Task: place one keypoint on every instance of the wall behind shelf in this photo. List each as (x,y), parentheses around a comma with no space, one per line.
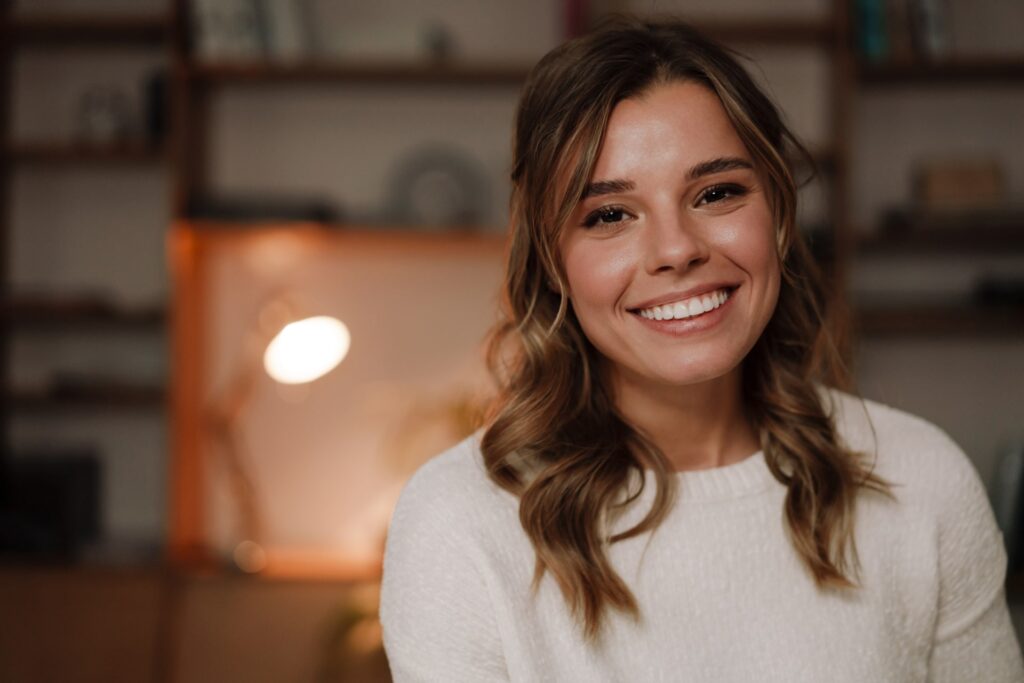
(91,229)
(346,142)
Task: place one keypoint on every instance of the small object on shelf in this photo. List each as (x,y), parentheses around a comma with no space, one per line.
(439,42)
(226,30)
(929,22)
(51,504)
(898,32)
(437,187)
(959,183)
(992,290)
(286,28)
(103,116)
(156,104)
(872,31)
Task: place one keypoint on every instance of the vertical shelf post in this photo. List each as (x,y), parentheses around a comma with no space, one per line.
(6,102)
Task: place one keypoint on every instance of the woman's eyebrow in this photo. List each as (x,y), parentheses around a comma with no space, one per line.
(607,187)
(702,169)
(717,166)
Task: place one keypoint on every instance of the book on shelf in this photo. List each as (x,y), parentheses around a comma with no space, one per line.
(248,30)
(902,31)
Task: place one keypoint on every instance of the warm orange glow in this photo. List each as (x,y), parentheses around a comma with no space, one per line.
(307,349)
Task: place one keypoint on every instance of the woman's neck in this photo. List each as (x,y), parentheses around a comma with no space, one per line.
(697,426)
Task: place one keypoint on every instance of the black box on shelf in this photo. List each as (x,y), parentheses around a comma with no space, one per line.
(51,504)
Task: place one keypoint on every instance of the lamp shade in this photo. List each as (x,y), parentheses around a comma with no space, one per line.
(306,349)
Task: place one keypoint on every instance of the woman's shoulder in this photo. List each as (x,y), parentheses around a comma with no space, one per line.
(451,490)
(908,451)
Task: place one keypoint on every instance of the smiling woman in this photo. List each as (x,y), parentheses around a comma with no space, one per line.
(686,221)
(667,489)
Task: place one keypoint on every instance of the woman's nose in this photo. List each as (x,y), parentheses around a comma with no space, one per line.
(674,242)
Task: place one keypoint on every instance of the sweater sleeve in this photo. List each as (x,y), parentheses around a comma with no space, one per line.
(974,637)
(436,613)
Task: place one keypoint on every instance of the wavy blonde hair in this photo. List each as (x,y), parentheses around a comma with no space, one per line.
(555,438)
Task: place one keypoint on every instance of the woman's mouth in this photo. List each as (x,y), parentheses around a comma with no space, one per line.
(687,308)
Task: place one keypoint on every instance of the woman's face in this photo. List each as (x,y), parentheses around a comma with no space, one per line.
(670,257)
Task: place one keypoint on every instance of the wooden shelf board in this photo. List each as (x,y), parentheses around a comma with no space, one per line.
(940,321)
(55,312)
(371,73)
(386,72)
(90,28)
(958,70)
(957,241)
(98,396)
(770,31)
(78,153)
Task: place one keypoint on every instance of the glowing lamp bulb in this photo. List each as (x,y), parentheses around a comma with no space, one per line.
(306,349)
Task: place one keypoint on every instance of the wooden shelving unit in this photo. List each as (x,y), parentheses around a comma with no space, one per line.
(52,315)
(381,73)
(977,239)
(40,312)
(89,29)
(960,71)
(785,32)
(71,153)
(924,236)
(931,320)
(96,396)
(59,315)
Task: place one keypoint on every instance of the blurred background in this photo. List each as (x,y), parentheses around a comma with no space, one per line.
(188,495)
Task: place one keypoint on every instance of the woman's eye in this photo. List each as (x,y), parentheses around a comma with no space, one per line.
(720,192)
(608,215)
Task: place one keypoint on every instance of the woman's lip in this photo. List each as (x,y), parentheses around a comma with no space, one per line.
(681,296)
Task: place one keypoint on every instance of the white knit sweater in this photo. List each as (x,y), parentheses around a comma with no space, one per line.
(722,594)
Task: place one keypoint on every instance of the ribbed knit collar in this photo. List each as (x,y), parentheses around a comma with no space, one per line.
(748,476)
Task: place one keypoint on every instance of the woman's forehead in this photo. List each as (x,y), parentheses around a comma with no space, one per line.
(668,125)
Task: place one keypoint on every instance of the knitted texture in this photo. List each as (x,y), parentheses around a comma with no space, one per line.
(722,594)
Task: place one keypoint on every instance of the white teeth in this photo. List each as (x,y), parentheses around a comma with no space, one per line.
(688,308)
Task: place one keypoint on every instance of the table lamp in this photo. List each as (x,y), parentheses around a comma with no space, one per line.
(291,348)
